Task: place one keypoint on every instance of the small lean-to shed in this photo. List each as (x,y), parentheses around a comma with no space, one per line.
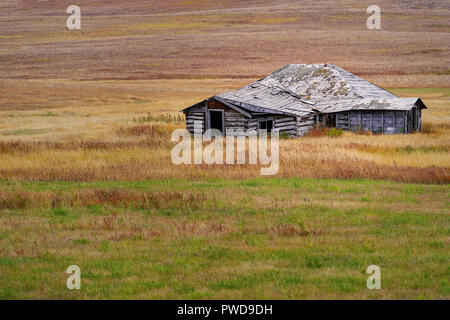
(298,97)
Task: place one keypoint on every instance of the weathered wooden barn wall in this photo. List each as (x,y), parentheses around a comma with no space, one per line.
(305,124)
(196,115)
(376,121)
(388,122)
(284,124)
(235,122)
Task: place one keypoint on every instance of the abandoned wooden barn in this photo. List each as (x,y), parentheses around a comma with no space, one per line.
(298,97)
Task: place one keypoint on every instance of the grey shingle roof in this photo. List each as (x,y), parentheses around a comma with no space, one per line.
(257,95)
(299,89)
(399,104)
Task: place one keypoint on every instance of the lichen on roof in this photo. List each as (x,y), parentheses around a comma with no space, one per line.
(299,89)
(318,81)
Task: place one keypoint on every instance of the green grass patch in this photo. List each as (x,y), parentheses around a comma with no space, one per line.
(23,132)
(251,239)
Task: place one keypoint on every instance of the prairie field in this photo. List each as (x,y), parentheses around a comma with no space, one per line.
(86,176)
(127,138)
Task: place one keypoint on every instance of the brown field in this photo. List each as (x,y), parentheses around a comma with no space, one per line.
(85,124)
(142,40)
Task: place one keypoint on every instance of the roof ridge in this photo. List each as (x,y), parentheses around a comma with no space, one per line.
(340,70)
(278,70)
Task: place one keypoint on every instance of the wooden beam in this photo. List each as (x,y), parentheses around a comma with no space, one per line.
(419,120)
(207,124)
(371,121)
(360,121)
(245,113)
(395,121)
(406,122)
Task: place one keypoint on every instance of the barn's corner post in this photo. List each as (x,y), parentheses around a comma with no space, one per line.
(406,123)
(419,119)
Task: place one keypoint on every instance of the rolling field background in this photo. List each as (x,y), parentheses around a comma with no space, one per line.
(86,176)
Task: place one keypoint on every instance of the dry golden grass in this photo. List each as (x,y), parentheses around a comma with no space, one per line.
(350,156)
(113,137)
(98,197)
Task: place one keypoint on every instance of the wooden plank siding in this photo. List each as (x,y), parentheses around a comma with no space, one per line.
(366,120)
(285,124)
(353,121)
(194,118)
(388,122)
(342,120)
(196,114)
(399,123)
(377,118)
(235,122)
(376,121)
(305,124)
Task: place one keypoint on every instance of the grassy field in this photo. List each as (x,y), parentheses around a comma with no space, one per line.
(86,176)
(254,238)
(121,141)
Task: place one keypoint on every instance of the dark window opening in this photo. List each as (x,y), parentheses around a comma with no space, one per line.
(216,120)
(330,120)
(266,125)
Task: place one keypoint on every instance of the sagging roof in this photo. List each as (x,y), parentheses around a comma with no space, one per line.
(393,104)
(257,97)
(299,89)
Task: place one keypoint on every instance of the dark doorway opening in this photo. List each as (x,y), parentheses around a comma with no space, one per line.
(330,120)
(216,120)
(266,125)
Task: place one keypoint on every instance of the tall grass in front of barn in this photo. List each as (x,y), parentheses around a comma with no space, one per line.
(142,152)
